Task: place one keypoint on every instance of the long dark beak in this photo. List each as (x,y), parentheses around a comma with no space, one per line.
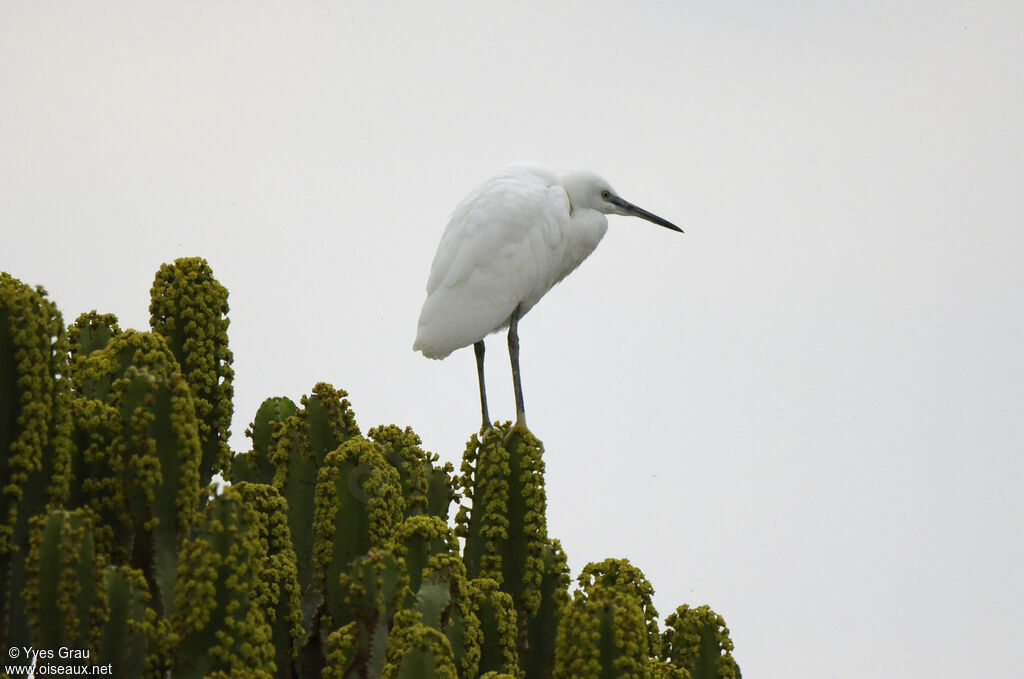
(643,214)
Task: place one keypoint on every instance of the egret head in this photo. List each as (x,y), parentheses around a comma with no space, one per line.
(588,190)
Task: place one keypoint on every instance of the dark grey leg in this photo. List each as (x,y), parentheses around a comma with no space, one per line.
(479,349)
(513,354)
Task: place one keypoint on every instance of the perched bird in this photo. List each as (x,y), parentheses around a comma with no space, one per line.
(506,244)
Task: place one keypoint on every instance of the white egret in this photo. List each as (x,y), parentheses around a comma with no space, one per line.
(506,244)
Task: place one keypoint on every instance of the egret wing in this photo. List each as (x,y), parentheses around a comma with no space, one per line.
(503,247)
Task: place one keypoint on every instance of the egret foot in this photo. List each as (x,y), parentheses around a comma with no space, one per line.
(519,428)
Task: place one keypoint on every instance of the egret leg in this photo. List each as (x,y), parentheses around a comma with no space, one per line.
(479,349)
(513,354)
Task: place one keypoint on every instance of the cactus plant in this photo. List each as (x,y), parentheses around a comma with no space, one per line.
(143,454)
(358,504)
(505,528)
(543,625)
(64,595)
(277,590)
(256,466)
(697,640)
(301,444)
(624,576)
(329,554)
(189,309)
(128,632)
(426,487)
(218,620)
(417,651)
(602,636)
(498,627)
(35,432)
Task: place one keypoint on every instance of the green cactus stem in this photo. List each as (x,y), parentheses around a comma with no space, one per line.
(189,308)
(91,332)
(374,589)
(505,527)
(342,654)
(443,600)
(624,576)
(143,455)
(417,539)
(697,640)
(358,504)
(542,627)
(218,618)
(129,628)
(417,651)
(256,466)
(64,596)
(302,442)
(427,488)
(277,590)
(35,433)
(602,636)
(498,626)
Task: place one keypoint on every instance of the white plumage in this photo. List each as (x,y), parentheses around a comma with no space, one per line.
(506,244)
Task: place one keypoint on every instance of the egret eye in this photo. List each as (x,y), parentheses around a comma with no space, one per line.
(605,195)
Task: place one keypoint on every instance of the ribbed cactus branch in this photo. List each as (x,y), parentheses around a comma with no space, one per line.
(358,504)
(373,591)
(624,576)
(277,590)
(427,488)
(505,528)
(143,454)
(35,432)
(602,636)
(190,309)
(498,626)
(416,651)
(542,627)
(129,628)
(90,332)
(300,445)
(697,640)
(64,595)
(444,601)
(256,466)
(217,616)
(418,538)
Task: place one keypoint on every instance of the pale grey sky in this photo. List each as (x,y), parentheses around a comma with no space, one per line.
(805,412)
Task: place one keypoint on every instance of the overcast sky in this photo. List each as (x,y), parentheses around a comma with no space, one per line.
(805,412)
